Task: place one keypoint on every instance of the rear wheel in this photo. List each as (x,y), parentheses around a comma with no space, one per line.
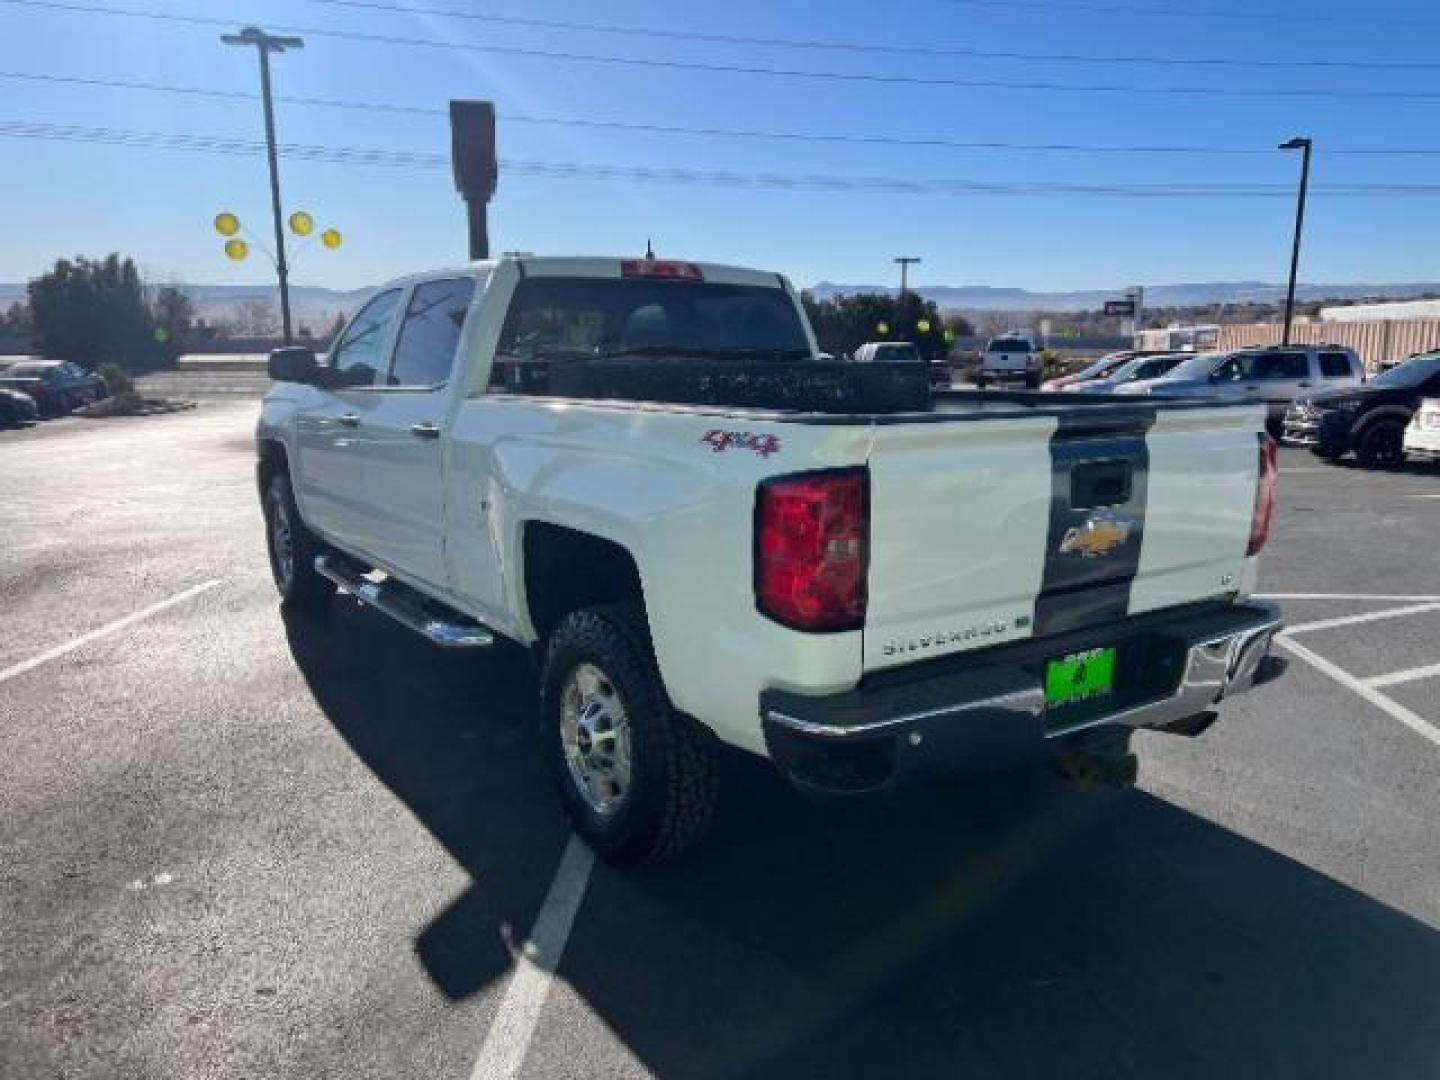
(1032,382)
(292,548)
(639,780)
(1382,445)
(980,382)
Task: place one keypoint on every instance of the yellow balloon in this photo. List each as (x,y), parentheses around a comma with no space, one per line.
(237,249)
(301,223)
(330,238)
(923,326)
(882,328)
(227,224)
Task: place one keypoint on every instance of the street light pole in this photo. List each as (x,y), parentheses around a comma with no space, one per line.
(905,261)
(1303,144)
(265,44)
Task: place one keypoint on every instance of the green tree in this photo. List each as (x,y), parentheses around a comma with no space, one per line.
(844,323)
(16,320)
(173,311)
(93,310)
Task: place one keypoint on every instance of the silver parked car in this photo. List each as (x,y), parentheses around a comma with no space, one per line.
(1276,375)
(1141,369)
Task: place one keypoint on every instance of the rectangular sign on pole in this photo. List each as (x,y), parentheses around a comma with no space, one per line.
(1120,309)
(472,153)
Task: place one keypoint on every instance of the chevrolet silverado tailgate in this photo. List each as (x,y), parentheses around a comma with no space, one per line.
(993,528)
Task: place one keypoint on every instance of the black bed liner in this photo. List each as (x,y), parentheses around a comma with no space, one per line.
(807,392)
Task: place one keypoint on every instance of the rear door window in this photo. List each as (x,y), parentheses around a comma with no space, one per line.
(425,351)
(1335,365)
(1280,366)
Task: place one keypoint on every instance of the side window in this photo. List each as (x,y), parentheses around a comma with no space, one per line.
(1234,369)
(356,357)
(1335,365)
(430,333)
(1281,366)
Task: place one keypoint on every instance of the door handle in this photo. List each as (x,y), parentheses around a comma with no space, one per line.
(425,431)
(348,420)
(1304,384)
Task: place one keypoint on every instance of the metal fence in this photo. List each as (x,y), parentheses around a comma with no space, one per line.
(1375,340)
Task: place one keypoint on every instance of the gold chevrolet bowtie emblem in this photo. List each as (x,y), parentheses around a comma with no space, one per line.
(1100,535)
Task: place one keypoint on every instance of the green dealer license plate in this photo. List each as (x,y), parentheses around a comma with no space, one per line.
(1079,677)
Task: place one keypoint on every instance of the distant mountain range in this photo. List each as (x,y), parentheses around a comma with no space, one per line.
(987,298)
(310,305)
(317,306)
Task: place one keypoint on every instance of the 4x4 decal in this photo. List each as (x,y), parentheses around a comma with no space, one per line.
(720,441)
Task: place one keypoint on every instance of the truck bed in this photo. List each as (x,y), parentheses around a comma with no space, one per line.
(801,391)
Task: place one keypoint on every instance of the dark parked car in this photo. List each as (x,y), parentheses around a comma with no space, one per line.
(17,408)
(1368,419)
(57,386)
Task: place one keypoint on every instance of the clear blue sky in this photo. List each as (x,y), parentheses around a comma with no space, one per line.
(66,197)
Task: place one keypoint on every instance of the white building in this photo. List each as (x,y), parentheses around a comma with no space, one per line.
(1399,309)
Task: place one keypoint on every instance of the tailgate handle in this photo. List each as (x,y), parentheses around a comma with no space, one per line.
(1100,483)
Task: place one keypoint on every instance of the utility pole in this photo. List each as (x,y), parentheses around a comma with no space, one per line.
(905,261)
(1305,144)
(265,44)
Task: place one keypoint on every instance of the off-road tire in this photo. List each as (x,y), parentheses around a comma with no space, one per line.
(302,589)
(1381,445)
(675,777)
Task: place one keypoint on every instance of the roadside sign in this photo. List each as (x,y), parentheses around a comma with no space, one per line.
(1120,309)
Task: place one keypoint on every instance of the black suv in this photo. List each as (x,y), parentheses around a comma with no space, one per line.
(1369,419)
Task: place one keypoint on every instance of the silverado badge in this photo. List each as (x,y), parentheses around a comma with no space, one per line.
(1100,535)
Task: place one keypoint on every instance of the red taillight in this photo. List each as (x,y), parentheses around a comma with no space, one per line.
(811,541)
(1264,496)
(660,268)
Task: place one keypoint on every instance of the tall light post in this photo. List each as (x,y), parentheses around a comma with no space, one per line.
(905,261)
(1303,144)
(264,45)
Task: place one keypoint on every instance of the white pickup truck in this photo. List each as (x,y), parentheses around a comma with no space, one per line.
(643,470)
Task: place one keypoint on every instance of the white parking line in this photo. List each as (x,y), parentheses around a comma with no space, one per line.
(1408,675)
(1343,596)
(104,631)
(510,1032)
(1352,620)
(1373,696)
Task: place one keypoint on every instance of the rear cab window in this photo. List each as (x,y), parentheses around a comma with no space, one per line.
(1010,345)
(430,334)
(566,320)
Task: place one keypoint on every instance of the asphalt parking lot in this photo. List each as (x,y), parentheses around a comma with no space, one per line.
(235,844)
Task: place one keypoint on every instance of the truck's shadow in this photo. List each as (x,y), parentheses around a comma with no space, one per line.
(1004,931)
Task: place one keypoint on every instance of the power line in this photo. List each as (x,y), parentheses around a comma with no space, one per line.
(831,45)
(345,155)
(719,132)
(859,78)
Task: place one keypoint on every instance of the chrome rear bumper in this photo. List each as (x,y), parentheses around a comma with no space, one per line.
(995,714)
